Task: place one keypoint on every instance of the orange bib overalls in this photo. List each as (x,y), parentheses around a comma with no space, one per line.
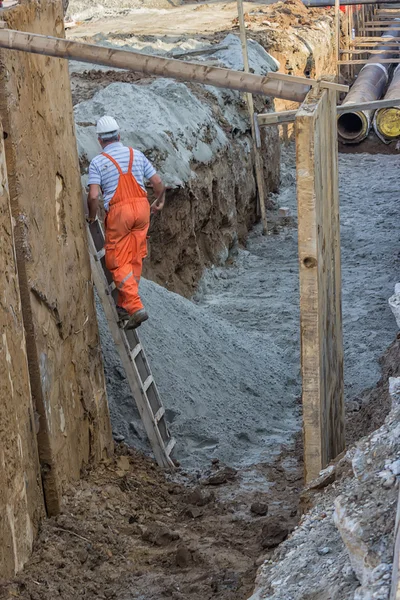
(127,223)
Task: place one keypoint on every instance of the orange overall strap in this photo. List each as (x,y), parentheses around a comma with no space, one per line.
(130,160)
(113,161)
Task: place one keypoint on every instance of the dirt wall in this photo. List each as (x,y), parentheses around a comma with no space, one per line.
(21,503)
(65,364)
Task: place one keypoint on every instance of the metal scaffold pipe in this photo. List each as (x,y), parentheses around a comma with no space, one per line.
(387,120)
(354,126)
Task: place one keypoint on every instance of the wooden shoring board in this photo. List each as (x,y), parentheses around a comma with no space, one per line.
(320,281)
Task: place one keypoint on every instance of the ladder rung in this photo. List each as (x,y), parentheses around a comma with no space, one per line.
(111,288)
(137,350)
(159,414)
(148,383)
(99,255)
(170,446)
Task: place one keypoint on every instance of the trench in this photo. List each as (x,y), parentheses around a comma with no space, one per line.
(225,356)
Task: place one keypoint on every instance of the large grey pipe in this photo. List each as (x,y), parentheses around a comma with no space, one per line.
(353,127)
(387,120)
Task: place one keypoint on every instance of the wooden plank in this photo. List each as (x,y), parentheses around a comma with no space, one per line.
(276,118)
(395,587)
(387,22)
(289,116)
(391,45)
(376,29)
(339,87)
(258,162)
(363,38)
(367,51)
(320,281)
(360,61)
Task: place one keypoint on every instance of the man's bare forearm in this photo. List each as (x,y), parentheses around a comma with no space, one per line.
(93,206)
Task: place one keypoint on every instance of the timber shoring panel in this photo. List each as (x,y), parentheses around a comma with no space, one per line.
(21,499)
(65,364)
(320,281)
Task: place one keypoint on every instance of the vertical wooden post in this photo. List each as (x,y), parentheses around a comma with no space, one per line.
(250,104)
(320,281)
(337,28)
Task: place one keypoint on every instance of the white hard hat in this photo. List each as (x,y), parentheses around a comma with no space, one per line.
(106,125)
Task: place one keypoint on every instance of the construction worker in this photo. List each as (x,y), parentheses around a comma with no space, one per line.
(119,173)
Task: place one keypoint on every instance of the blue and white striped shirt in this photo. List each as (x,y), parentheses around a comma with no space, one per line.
(105,174)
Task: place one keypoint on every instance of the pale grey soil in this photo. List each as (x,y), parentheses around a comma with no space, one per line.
(227,366)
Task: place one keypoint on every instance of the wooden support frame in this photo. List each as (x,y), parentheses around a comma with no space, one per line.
(320,281)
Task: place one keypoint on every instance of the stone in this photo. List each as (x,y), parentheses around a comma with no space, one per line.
(284,211)
(259,508)
(199,498)
(324,550)
(159,534)
(395,467)
(352,534)
(194,512)
(223,476)
(183,557)
(388,479)
(274,532)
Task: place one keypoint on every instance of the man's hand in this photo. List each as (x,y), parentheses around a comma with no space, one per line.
(158,204)
(159,190)
(93,202)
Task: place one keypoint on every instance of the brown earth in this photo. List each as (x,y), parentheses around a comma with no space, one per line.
(126,530)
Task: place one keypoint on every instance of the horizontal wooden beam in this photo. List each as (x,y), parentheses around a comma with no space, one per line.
(367,51)
(370,61)
(372,38)
(289,116)
(382,22)
(376,29)
(331,85)
(276,118)
(391,45)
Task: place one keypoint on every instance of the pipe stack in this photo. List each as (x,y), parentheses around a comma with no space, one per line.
(353,127)
(387,120)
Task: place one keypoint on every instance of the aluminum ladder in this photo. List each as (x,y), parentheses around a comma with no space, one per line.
(132,355)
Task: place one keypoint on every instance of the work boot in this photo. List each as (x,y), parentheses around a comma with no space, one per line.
(137,319)
(123,315)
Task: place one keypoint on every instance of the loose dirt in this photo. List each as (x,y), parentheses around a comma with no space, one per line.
(127,532)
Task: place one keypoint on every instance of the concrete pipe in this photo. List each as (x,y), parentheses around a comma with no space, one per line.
(387,120)
(353,127)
